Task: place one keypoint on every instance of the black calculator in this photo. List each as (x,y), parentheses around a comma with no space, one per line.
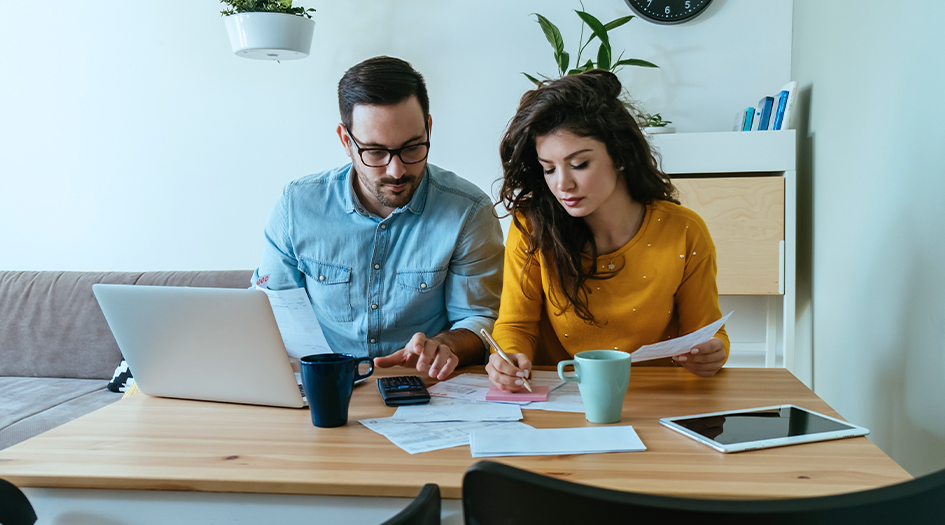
(402,390)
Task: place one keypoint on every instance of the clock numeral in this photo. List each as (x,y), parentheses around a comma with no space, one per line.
(667,10)
(687,5)
(648,2)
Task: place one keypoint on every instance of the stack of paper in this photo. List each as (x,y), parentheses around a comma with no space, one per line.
(414,438)
(562,397)
(553,441)
(444,423)
(435,412)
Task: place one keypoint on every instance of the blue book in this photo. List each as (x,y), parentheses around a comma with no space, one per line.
(749,117)
(765,104)
(779,116)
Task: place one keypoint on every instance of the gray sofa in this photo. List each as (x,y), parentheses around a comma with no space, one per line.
(57,353)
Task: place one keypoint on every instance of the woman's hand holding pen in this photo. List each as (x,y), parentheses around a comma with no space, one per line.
(506,376)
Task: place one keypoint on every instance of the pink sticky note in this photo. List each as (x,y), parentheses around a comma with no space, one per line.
(540,393)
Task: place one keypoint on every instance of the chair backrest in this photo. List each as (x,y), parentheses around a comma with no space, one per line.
(423,510)
(494,493)
(15,508)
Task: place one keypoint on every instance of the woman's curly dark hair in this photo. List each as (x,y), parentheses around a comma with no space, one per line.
(587,105)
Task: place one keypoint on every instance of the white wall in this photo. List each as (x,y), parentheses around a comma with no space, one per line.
(873,157)
(131,138)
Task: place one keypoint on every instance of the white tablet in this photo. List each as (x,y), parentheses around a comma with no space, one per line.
(766,427)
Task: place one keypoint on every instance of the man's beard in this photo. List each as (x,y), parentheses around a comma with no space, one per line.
(386,197)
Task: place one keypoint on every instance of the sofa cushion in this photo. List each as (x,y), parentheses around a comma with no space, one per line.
(208,279)
(33,405)
(51,325)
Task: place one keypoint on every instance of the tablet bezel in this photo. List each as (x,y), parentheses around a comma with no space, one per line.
(851,430)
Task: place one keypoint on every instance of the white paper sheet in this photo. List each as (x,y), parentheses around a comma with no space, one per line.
(414,438)
(301,333)
(474,387)
(679,345)
(458,412)
(565,398)
(553,441)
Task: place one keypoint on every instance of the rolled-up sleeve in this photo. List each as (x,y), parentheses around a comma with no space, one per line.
(474,279)
(279,267)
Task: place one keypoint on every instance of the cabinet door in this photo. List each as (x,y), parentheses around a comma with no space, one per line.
(745,216)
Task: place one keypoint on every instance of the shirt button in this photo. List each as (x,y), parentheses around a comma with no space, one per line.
(377,266)
(321,277)
(423,285)
(373,307)
(373,341)
(383,226)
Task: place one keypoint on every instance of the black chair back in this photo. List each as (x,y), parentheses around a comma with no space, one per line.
(423,510)
(496,494)
(15,508)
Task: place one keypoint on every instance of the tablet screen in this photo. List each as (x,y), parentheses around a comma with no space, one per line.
(776,422)
(765,427)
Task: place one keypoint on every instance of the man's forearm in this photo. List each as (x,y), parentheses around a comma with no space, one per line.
(466,345)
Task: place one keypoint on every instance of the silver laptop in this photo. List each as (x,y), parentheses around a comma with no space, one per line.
(213,344)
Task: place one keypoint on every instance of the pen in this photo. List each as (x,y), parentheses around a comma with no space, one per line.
(503,355)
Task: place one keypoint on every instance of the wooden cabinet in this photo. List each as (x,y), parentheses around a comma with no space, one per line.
(743,184)
(745,216)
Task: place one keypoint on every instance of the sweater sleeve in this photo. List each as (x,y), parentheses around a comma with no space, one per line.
(516,330)
(697,298)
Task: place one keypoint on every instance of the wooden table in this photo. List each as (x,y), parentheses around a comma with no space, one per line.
(150,443)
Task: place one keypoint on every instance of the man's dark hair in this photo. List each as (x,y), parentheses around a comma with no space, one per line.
(383,81)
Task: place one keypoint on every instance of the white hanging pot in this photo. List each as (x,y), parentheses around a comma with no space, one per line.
(270,36)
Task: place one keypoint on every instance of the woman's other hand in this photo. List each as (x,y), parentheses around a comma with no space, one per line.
(704,359)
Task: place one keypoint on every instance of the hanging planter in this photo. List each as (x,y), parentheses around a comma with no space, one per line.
(270,36)
(268,29)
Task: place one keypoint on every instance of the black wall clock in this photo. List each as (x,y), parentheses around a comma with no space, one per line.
(668,11)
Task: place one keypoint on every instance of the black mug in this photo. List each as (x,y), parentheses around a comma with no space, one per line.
(328,380)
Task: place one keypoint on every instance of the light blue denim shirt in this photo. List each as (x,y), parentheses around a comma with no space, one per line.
(432,265)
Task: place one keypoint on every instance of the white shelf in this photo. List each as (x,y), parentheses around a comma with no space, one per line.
(726,152)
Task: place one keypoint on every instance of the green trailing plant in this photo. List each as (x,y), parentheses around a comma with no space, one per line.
(600,32)
(264,6)
(654,121)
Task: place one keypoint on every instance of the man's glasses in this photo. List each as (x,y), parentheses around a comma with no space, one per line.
(381,157)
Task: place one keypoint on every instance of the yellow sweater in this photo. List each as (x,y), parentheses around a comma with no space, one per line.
(665,287)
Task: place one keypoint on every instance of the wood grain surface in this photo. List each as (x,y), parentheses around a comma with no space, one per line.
(745,216)
(154,443)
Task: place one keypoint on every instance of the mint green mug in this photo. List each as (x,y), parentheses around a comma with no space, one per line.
(603,377)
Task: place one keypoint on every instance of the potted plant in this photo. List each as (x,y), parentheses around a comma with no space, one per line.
(268,29)
(600,31)
(654,124)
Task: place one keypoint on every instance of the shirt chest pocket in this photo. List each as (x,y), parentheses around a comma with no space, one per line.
(419,295)
(329,286)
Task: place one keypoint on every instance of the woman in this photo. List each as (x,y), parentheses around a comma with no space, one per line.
(599,245)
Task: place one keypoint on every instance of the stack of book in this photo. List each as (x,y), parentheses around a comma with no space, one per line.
(771,114)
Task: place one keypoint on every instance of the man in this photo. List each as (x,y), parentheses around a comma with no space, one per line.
(402,260)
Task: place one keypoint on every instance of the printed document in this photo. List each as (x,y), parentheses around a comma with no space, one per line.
(301,333)
(414,438)
(679,345)
(565,398)
(458,412)
(553,441)
(474,387)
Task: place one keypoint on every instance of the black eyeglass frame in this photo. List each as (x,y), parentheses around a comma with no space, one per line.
(390,152)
